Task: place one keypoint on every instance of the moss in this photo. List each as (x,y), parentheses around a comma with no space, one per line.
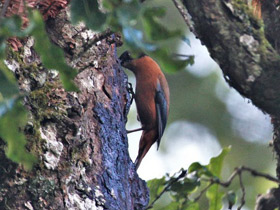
(46,104)
(41,187)
(246,14)
(15,55)
(255,25)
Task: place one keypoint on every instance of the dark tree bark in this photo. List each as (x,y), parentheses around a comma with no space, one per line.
(79,138)
(246,50)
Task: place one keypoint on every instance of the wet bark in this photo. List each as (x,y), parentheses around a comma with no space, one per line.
(79,138)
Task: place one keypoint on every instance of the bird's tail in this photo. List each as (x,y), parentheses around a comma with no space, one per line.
(146,141)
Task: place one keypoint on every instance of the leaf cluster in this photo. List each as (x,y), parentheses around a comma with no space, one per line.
(186,189)
(141,26)
(12,112)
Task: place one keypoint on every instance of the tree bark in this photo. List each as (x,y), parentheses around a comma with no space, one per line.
(79,138)
(246,49)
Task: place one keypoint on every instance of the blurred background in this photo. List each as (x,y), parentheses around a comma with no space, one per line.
(205,116)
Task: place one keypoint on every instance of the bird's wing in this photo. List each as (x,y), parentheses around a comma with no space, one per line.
(161,111)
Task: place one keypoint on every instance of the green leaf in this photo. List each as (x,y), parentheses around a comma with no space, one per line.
(216,163)
(15,118)
(231,199)
(134,39)
(215,166)
(168,63)
(6,105)
(156,186)
(10,26)
(186,40)
(128,14)
(171,206)
(88,11)
(191,184)
(153,28)
(195,167)
(2,48)
(181,189)
(187,205)
(191,206)
(8,87)
(199,169)
(51,56)
(185,186)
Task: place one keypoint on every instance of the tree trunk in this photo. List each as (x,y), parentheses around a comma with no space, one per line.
(247,51)
(79,138)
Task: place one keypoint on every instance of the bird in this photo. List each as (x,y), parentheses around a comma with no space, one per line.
(151,98)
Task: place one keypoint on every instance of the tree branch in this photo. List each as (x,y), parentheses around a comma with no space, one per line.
(184,14)
(182,175)
(236,41)
(97,37)
(237,172)
(243,191)
(203,191)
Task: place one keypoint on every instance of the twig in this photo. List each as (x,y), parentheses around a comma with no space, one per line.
(243,191)
(252,171)
(183,174)
(184,14)
(228,182)
(181,55)
(4,10)
(256,173)
(203,191)
(238,171)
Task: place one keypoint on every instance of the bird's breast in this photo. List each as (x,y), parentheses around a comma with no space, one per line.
(145,103)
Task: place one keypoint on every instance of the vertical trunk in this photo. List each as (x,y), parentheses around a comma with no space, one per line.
(79,138)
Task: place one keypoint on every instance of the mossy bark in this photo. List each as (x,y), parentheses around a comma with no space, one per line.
(79,138)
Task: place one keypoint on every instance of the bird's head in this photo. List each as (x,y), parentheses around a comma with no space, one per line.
(126,59)
(128,62)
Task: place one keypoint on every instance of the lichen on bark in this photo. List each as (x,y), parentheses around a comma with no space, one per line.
(79,138)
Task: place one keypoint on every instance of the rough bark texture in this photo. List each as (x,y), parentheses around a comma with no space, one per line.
(247,51)
(236,41)
(79,138)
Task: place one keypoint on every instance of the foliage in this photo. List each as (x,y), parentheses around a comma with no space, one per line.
(129,16)
(52,58)
(213,194)
(185,191)
(13,118)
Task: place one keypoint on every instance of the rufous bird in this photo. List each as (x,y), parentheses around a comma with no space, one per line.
(151,98)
